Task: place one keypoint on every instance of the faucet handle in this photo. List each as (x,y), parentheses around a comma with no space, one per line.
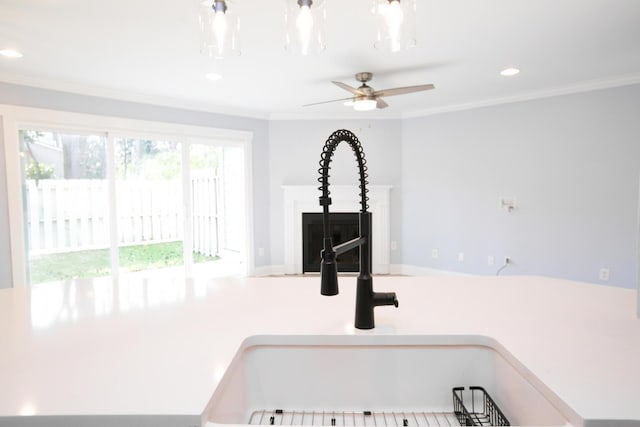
(328,273)
(385,298)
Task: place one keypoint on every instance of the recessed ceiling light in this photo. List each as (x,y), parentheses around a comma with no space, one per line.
(213,76)
(10,53)
(509,72)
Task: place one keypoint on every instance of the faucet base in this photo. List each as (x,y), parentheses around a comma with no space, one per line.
(367,300)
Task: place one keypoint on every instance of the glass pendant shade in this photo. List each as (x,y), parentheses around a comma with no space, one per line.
(396,24)
(305,26)
(219,29)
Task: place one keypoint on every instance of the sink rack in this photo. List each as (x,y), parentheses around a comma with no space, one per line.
(488,414)
(353,418)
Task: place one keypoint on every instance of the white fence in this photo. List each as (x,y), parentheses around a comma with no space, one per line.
(70,215)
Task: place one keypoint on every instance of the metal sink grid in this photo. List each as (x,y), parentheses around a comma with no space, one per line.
(354,418)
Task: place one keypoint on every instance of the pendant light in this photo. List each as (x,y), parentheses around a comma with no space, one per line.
(219,29)
(396,24)
(305,26)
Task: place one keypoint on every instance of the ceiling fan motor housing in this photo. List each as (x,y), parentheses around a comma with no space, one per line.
(364,77)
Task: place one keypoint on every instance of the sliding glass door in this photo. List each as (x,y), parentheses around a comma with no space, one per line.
(96,205)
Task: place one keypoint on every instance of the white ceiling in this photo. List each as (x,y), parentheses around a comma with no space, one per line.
(148,51)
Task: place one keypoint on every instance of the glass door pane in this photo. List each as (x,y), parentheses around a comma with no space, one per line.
(217,197)
(65,205)
(204,161)
(233,199)
(149,206)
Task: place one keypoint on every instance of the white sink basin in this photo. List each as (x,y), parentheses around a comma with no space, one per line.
(314,379)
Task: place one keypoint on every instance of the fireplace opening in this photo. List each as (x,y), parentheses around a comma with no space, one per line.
(344,227)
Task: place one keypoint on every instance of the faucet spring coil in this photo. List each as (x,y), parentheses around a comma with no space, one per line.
(325,160)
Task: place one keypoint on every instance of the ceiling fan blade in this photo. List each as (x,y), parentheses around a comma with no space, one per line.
(348,88)
(381,104)
(328,102)
(403,90)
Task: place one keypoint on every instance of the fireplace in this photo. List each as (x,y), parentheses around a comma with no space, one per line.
(299,199)
(344,227)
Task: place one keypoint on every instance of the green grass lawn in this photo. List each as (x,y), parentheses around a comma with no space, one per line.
(96,263)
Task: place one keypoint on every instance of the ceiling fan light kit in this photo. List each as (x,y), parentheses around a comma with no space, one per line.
(365,104)
(219,29)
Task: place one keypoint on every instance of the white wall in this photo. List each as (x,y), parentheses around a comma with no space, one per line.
(294,154)
(572,162)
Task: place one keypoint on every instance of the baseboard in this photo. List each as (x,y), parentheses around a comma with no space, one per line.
(414,270)
(398,269)
(269,270)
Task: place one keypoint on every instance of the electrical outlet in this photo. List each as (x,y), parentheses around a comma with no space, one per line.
(394,245)
(508,203)
(461,256)
(507,260)
(491,260)
(434,253)
(260,252)
(604,274)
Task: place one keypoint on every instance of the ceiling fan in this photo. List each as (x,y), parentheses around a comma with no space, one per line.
(366,98)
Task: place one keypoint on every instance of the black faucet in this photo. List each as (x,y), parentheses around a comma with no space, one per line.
(366,298)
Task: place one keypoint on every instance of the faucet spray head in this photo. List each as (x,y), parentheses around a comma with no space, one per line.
(328,271)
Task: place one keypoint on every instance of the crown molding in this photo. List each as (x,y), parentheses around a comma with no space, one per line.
(586,86)
(129,96)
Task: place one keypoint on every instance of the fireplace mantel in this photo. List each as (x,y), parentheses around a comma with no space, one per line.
(304,198)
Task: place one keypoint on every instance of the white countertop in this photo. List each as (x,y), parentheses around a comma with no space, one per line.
(160,347)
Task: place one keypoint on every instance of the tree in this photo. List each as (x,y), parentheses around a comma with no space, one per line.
(34,169)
